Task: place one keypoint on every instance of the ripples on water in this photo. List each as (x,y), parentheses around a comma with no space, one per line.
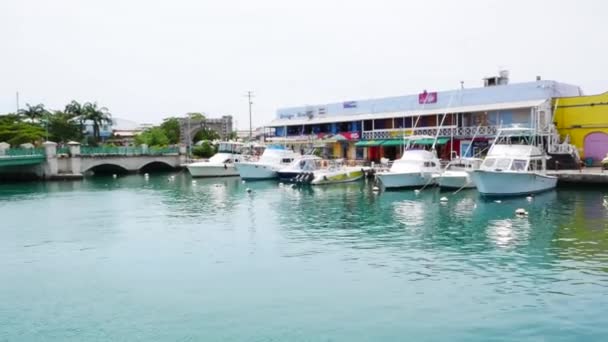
(93,260)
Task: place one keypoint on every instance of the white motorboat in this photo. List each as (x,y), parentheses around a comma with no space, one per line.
(415,168)
(220,164)
(300,166)
(457,174)
(513,169)
(271,161)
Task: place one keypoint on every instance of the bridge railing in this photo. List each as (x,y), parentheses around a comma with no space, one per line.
(127,151)
(22,152)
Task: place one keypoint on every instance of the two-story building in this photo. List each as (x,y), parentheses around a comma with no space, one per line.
(374,128)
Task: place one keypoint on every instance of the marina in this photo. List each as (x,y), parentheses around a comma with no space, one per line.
(209,261)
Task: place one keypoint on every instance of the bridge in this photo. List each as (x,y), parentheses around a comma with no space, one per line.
(75,161)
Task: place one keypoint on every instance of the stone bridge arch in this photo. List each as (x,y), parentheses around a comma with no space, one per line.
(155,165)
(106,167)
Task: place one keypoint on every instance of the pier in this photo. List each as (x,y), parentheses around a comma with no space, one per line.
(584,176)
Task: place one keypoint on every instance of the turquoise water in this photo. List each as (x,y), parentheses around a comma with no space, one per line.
(159,260)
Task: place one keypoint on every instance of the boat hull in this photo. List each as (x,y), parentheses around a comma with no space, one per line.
(500,183)
(455,180)
(337,177)
(254,171)
(394,180)
(212,170)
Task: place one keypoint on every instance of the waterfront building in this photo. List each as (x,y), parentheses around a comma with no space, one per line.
(584,121)
(375,128)
(190,126)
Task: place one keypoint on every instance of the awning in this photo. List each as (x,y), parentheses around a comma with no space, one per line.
(368,143)
(430,141)
(393,142)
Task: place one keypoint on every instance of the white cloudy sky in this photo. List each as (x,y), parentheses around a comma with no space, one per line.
(146,59)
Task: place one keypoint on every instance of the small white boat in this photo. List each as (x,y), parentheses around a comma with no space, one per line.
(457,174)
(271,161)
(513,169)
(415,168)
(221,164)
(305,164)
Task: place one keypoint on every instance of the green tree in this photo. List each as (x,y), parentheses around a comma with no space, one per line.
(15,131)
(204,150)
(206,134)
(98,116)
(63,127)
(233,136)
(171,128)
(76,111)
(154,136)
(196,116)
(34,113)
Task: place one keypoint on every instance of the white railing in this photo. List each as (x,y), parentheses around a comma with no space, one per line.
(397,133)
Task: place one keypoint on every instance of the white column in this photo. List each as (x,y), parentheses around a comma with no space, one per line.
(51,167)
(75,164)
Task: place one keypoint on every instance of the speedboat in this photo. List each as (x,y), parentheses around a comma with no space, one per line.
(337,172)
(271,161)
(415,168)
(513,169)
(457,174)
(220,164)
(300,168)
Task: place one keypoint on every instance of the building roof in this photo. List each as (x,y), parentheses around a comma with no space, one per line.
(458,100)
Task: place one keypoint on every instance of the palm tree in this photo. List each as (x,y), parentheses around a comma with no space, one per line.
(97,115)
(34,113)
(75,111)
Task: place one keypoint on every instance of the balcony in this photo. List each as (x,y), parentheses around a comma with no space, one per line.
(445,131)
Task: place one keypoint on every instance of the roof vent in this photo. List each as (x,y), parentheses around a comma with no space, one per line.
(538,78)
(501,79)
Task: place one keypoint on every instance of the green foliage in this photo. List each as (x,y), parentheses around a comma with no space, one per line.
(15,132)
(170,127)
(232,136)
(34,113)
(206,134)
(62,127)
(97,115)
(152,137)
(196,116)
(205,150)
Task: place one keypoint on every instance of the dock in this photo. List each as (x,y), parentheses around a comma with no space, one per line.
(584,176)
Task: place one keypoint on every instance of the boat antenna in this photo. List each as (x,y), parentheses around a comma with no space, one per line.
(445,113)
(473,139)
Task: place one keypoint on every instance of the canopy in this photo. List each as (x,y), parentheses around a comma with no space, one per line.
(430,141)
(369,143)
(393,142)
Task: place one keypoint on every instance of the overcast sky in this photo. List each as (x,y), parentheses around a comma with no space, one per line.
(146,60)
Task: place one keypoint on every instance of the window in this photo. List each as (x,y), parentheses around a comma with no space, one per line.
(518,165)
(359,153)
(489,162)
(503,164)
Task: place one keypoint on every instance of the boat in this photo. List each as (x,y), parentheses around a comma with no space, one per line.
(273,159)
(220,164)
(457,174)
(299,167)
(512,169)
(415,168)
(337,172)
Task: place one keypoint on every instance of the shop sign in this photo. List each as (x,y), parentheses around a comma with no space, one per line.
(426,97)
(349,104)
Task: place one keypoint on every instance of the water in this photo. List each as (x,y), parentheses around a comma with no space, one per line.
(160,260)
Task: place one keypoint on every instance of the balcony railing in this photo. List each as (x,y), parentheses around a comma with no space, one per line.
(397,133)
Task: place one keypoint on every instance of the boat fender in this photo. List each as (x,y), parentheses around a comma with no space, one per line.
(225,167)
(324,177)
(521,212)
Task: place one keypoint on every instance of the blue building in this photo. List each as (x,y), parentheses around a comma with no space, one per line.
(375,128)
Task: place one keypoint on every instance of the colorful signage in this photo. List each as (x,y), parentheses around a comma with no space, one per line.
(426,97)
(349,104)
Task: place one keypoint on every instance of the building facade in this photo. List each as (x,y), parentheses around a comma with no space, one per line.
(584,121)
(189,127)
(375,128)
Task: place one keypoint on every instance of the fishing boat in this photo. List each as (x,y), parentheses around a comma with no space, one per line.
(515,165)
(300,168)
(415,168)
(273,159)
(220,164)
(457,174)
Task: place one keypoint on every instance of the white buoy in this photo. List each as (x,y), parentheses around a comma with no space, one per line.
(529,198)
(375,189)
(193,181)
(248,190)
(521,212)
(416,191)
(443,199)
(146,175)
(114,176)
(497,201)
(280,184)
(243,181)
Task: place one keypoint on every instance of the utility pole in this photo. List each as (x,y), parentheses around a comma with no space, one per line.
(17,103)
(249,96)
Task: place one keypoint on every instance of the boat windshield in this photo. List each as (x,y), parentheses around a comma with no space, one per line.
(229,148)
(223,158)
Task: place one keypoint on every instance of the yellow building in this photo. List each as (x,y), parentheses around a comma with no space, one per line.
(585,120)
